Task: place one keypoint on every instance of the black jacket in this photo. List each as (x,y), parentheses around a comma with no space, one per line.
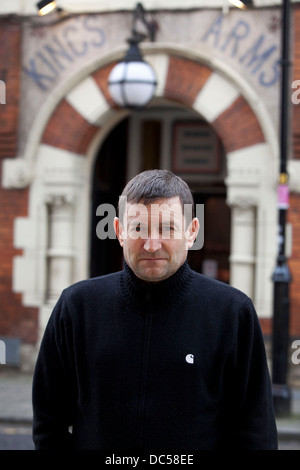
(179,365)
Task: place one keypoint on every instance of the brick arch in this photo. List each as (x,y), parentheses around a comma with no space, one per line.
(185,79)
(237,125)
(71,128)
(67,129)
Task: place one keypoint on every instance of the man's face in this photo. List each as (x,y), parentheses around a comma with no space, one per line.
(155,238)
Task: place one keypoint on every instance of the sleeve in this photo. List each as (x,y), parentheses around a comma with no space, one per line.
(250,416)
(54,388)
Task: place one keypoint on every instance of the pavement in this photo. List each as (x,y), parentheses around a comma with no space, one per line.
(16,408)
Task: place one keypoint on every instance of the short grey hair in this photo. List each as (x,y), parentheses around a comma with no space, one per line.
(151,185)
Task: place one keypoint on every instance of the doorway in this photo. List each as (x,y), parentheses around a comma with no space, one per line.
(213,258)
(145,140)
(109,176)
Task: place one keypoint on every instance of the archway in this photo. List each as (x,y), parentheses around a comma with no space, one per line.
(169,137)
(108,181)
(61,190)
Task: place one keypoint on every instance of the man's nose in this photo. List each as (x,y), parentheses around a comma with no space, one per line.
(152,244)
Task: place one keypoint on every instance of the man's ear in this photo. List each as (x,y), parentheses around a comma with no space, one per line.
(192,232)
(118,227)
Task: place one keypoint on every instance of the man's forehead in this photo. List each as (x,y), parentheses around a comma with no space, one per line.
(169,206)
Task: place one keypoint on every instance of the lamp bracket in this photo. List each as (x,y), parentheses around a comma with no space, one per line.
(139,21)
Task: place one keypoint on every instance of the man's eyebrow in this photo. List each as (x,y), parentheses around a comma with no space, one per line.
(133,217)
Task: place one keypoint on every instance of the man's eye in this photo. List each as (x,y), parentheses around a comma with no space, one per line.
(137,228)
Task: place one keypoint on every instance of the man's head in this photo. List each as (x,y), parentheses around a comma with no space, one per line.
(156,225)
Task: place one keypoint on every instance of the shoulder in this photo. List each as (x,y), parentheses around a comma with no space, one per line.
(229,309)
(219,294)
(213,285)
(88,289)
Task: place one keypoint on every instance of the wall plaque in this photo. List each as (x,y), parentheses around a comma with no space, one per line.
(196,148)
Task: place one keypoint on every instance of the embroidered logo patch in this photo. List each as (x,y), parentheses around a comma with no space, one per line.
(189,358)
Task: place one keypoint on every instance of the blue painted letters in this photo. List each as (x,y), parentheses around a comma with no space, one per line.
(61,51)
(259,59)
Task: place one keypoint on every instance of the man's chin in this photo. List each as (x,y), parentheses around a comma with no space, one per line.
(154,274)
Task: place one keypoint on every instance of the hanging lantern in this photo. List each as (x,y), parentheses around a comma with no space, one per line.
(132,82)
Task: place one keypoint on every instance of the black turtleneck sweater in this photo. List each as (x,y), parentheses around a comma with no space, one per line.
(178,365)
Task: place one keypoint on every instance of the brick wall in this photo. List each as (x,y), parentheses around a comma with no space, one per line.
(294,264)
(294,210)
(15,320)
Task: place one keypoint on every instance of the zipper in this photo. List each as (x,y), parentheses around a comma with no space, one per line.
(144,371)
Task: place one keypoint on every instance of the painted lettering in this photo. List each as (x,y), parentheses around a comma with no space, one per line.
(238,34)
(39,77)
(88,25)
(257,57)
(214,31)
(58,54)
(274,79)
(75,50)
(60,51)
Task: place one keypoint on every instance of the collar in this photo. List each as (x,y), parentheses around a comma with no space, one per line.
(168,291)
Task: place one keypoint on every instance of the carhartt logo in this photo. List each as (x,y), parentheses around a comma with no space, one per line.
(189,358)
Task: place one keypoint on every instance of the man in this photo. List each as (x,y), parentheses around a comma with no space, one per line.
(155,357)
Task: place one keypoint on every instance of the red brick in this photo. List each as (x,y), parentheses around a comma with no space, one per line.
(68,130)
(238,127)
(294,264)
(101,78)
(10,53)
(185,79)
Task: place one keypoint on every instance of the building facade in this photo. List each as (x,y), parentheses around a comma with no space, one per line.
(67,149)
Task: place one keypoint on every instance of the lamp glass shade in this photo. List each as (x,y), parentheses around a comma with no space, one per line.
(243,4)
(132,84)
(45,7)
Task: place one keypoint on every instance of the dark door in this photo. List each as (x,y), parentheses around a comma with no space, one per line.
(108,181)
(213,258)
